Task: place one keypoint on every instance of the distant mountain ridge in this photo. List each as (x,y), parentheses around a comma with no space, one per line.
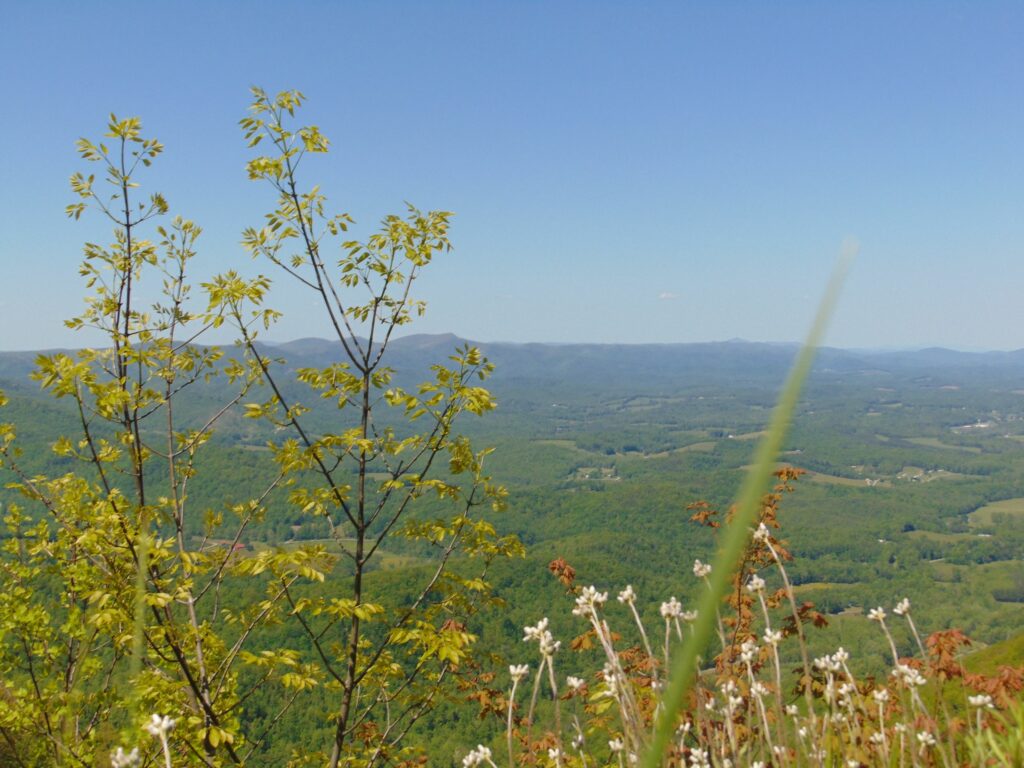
(594,364)
(710,351)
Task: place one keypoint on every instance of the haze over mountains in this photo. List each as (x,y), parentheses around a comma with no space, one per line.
(618,365)
(718,356)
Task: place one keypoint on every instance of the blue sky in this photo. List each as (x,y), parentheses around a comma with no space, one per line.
(621,172)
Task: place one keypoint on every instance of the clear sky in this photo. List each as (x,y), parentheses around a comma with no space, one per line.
(621,172)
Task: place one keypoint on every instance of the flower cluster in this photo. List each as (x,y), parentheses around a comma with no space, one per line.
(158,727)
(122,759)
(519,671)
(479,756)
(546,641)
(589,599)
(746,716)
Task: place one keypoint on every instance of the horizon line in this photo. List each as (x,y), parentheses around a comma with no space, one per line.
(734,340)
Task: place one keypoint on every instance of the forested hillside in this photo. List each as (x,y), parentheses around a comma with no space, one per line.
(604,446)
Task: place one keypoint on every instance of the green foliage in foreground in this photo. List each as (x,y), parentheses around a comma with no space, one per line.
(126,595)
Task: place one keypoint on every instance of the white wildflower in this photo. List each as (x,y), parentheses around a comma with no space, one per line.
(925,739)
(827,663)
(688,616)
(672,609)
(574,683)
(534,633)
(877,614)
(627,595)
(902,607)
(159,726)
(555,754)
(841,656)
(588,601)
(477,756)
(881,695)
(792,710)
(548,645)
(577,742)
(772,637)
(762,533)
(756,584)
(981,700)
(700,570)
(730,691)
(748,651)
(616,745)
(518,671)
(759,689)
(877,738)
(611,680)
(121,759)
(908,675)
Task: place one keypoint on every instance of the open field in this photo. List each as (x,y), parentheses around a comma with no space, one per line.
(934,442)
(986,515)
(595,473)
(858,482)
(988,659)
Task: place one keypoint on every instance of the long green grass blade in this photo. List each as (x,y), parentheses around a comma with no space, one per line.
(755,485)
